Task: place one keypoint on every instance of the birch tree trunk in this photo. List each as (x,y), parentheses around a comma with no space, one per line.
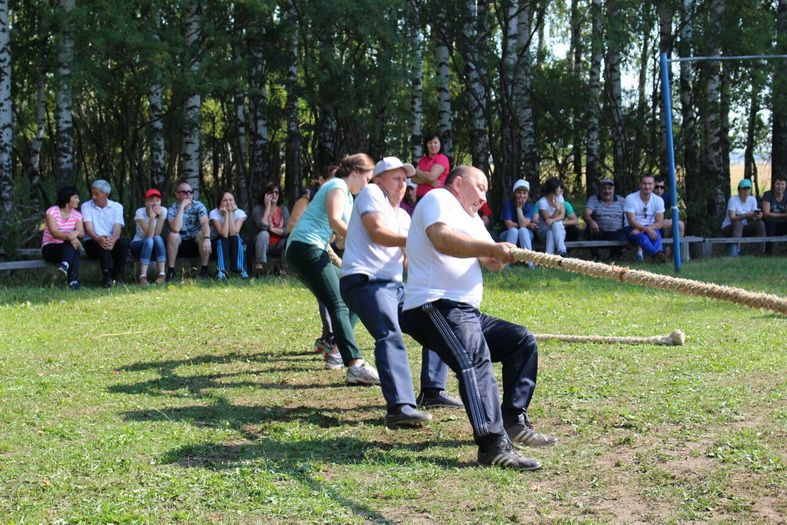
(666,14)
(293,162)
(750,165)
(593,156)
(191,125)
(527,135)
(691,162)
(259,128)
(34,173)
(506,166)
(156,116)
(6,113)
(575,58)
(417,96)
(444,123)
(615,97)
(724,120)
(244,194)
(65,122)
(475,91)
(779,137)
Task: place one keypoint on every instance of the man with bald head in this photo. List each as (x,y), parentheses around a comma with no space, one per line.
(447,244)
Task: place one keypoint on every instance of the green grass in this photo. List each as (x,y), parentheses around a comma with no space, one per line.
(202,403)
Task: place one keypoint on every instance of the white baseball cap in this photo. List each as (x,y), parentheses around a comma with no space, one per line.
(411,184)
(521,183)
(392,163)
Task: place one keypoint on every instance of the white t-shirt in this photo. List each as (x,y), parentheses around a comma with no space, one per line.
(433,275)
(216,215)
(644,212)
(103,219)
(543,204)
(739,208)
(142,215)
(363,256)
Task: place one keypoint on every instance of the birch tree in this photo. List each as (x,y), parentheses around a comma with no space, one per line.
(475,91)
(65,120)
(191,127)
(6,113)
(614,91)
(779,137)
(293,163)
(593,156)
(417,91)
(259,128)
(156,117)
(444,121)
(691,162)
(528,150)
(575,59)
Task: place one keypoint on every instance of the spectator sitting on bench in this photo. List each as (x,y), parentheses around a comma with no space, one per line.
(774,210)
(189,232)
(147,241)
(408,203)
(103,220)
(62,229)
(270,224)
(551,211)
(604,219)
(226,222)
(743,216)
(519,218)
(660,189)
(643,220)
(570,219)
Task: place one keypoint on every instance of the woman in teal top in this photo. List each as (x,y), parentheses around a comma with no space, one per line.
(308,260)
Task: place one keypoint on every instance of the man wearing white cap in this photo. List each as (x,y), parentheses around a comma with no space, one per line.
(103,219)
(371,283)
(519,218)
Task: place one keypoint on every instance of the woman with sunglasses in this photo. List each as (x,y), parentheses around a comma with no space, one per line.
(307,259)
(270,222)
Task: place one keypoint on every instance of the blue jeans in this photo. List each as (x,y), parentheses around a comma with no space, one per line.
(229,254)
(469,342)
(642,240)
(522,237)
(145,248)
(378,305)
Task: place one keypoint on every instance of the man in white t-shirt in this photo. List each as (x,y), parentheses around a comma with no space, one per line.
(743,216)
(103,220)
(446,247)
(644,213)
(371,285)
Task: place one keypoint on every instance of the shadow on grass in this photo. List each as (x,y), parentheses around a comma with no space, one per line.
(293,459)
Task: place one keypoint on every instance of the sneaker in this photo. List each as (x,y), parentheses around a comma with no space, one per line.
(530,264)
(220,276)
(143,280)
(321,346)
(439,399)
(363,374)
(639,258)
(161,278)
(107,281)
(660,257)
(63,268)
(406,416)
(170,275)
(563,254)
(503,454)
(521,432)
(73,285)
(333,360)
(243,274)
(203,273)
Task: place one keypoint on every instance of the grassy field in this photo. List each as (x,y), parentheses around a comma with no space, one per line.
(202,403)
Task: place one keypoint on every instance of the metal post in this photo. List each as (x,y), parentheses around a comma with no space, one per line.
(665,83)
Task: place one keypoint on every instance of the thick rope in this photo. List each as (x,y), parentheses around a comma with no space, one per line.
(676,338)
(654,280)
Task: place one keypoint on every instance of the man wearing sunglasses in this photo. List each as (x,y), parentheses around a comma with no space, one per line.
(660,189)
(189,231)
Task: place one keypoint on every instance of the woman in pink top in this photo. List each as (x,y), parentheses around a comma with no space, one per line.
(433,167)
(62,230)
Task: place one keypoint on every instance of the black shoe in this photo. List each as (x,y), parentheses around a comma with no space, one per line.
(503,454)
(660,258)
(406,416)
(521,432)
(563,254)
(203,273)
(107,281)
(438,399)
(73,285)
(170,275)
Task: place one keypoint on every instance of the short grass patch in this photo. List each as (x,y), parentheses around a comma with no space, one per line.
(202,403)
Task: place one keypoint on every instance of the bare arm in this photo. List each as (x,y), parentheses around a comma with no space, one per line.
(379,234)
(587,215)
(57,234)
(493,255)
(428,177)
(297,211)
(334,206)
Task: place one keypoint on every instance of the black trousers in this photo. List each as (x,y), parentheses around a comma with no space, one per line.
(60,252)
(112,261)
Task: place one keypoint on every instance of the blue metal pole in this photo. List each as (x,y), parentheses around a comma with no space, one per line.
(665,83)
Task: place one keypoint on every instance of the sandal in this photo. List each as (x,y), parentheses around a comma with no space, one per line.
(143,280)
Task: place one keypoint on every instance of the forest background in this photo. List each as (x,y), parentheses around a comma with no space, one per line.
(235,94)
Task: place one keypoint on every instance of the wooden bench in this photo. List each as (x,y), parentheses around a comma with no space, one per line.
(684,244)
(708,243)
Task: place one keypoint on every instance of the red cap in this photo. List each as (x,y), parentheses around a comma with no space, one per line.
(152,193)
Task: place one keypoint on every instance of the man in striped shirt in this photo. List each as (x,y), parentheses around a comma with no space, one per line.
(604,218)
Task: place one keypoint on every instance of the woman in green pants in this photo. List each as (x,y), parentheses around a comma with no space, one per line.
(307,259)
